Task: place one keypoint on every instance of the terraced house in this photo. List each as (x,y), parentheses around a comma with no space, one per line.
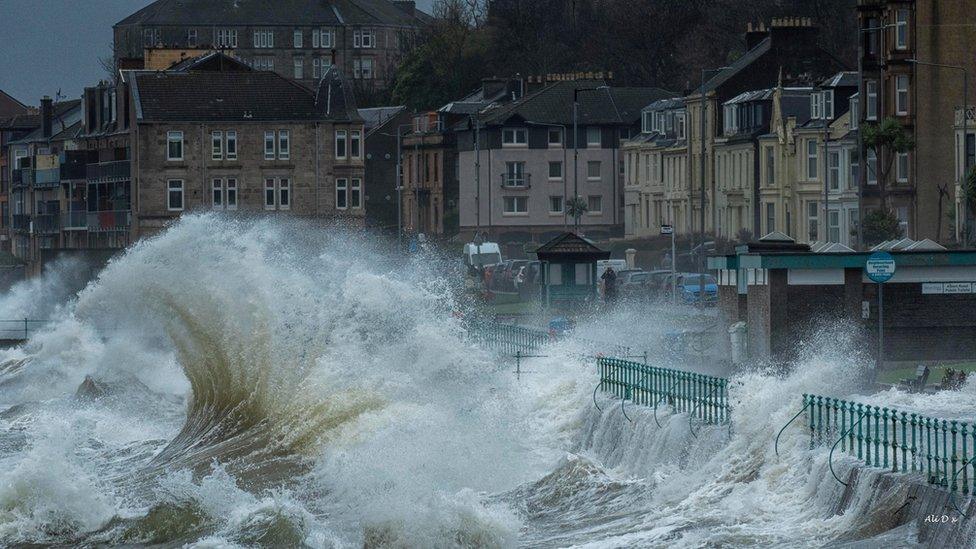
(214,135)
(298,39)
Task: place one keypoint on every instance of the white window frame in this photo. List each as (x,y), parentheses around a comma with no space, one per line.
(342,190)
(355,144)
(341,144)
(298,37)
(558,132)
(561,204)
(590,132)
(270,189)
(174,137)
(515,210)
(599,169)
(217,145)
(515,174)
(871,167)
(510,137)
(549,172)
(813,160)
(680,119)
(231,146)
(269,139)
(833,224)
(902,167)
(854,169)
(298,67)
(813,218)
(175,185)
(828,104)
(283,192)
(901,94)
(816,101)
(217,201)
(231,190)
(855,106)
(901,29)
(356,193)
(284,145)
(191,38)
(833,170)
(871,90)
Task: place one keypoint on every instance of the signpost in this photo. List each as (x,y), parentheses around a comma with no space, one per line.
(668,229)
(880,267)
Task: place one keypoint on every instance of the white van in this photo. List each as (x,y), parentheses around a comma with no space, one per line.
(617,264)
(487,254)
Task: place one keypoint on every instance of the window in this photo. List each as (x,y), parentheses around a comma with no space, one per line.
(872,167)
(770,166)
(363,39)
(855,112)
(217,145)
(264,39)
(594,204)
(226,38)
(269,145)
(901,29)
(555,137)
(269,193)
(355,144)
(833,170)
(901,94)
(284,144)
(593,170)
(902,213)
(320,67)
(855,163)
(555,204)
(515,174)
(902,167)
(231,145)
(340,144)
(872,35)
(593,137)
(813,211)
(284,194)
(356,194)
(342,194)
(828,104)
(321,38)
(516,205)
(556,170)
(852,222)
(217,193)
(231,193)
(812,162)
(150,38)
(174,145)
(770,217)
(833,226)
(297,42)
(514,137)
(191,38)
(362,68)
(871,88)
(299,66)
(175,195)
(816,104)
(263,63)
(681,125)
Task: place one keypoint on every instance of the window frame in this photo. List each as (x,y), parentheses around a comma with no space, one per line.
(558,132)
(828,104)
(590,210)
(269,139)
(833,170)
(562,202)
(175,186)
(356,193)
(813,160)
(515,133)
(230,136)
(191,38)
(217,201)
(558,177)
(216,145)
(230,190)
(283,192)
(902,173)
(284,145)
(901,29)
(871,165)
(270,188)
(355,144)
(902,94)
(515,201)
(871,104)
(298,67)
(590,130)
(599,170)
(174,137)
(341,137)
(298,39)
(342,185)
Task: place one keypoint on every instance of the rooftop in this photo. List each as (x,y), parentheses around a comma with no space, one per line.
(273,13)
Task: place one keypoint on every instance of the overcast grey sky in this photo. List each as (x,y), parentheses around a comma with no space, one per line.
(47,45)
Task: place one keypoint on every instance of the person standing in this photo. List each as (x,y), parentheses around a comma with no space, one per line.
(609,285)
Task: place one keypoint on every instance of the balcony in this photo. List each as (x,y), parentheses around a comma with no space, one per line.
(46,179)
(104,172)
(516,180)
(47,223)
(74,221)
(21,222)
(109,221)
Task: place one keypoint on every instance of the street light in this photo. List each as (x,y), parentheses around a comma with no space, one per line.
(965,132)
(576,150)
(701,168)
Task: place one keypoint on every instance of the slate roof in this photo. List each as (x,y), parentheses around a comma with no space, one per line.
(66,115)
(236,95)
(554,104)
(377,116)
(31,121)
(737,66)
(570,245)
(272,13)
(843,79)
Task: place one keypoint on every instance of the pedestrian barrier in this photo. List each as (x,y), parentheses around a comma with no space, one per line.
(702,397)
(19,329)
(512,339)
(940,449)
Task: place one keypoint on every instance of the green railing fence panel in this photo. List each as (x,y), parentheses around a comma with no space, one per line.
(906,442)
(511,339)
(703,397)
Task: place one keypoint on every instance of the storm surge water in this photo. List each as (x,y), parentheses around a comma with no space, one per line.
(264,383)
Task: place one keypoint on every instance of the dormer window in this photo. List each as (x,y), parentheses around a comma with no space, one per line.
(647,122)
(828,104)
(680,118)
(855,112)
(816,106)
(515,137)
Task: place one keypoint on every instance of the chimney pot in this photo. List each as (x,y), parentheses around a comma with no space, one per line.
(47,116)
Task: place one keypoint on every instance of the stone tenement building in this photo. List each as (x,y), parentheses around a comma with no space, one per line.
(298,39)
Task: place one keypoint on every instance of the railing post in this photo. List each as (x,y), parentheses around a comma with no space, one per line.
(965,460)
(884,439)
(914,443)
(952,429)
(26,334)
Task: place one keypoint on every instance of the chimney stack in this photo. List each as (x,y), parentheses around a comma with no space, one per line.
(47,116)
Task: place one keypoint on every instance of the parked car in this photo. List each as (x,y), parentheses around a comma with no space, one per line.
(643,284)
(690,286)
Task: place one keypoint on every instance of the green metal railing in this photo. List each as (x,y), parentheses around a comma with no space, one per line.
(512,339)
(701,396)
(940,449)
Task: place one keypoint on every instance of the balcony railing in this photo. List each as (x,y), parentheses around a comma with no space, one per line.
(118,170)
(47,223)
(21,222)
(109,221)
(74,221)
(46,179)
(516,181)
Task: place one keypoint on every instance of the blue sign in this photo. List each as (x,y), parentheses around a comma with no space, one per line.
(880,267)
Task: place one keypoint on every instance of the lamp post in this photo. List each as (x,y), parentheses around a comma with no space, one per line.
(576,150)
(965,132)
(701,198)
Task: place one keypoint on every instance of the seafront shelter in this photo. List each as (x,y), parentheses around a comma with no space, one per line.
(569,270)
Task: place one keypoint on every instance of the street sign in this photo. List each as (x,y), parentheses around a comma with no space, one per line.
(667,229)
(880,267)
